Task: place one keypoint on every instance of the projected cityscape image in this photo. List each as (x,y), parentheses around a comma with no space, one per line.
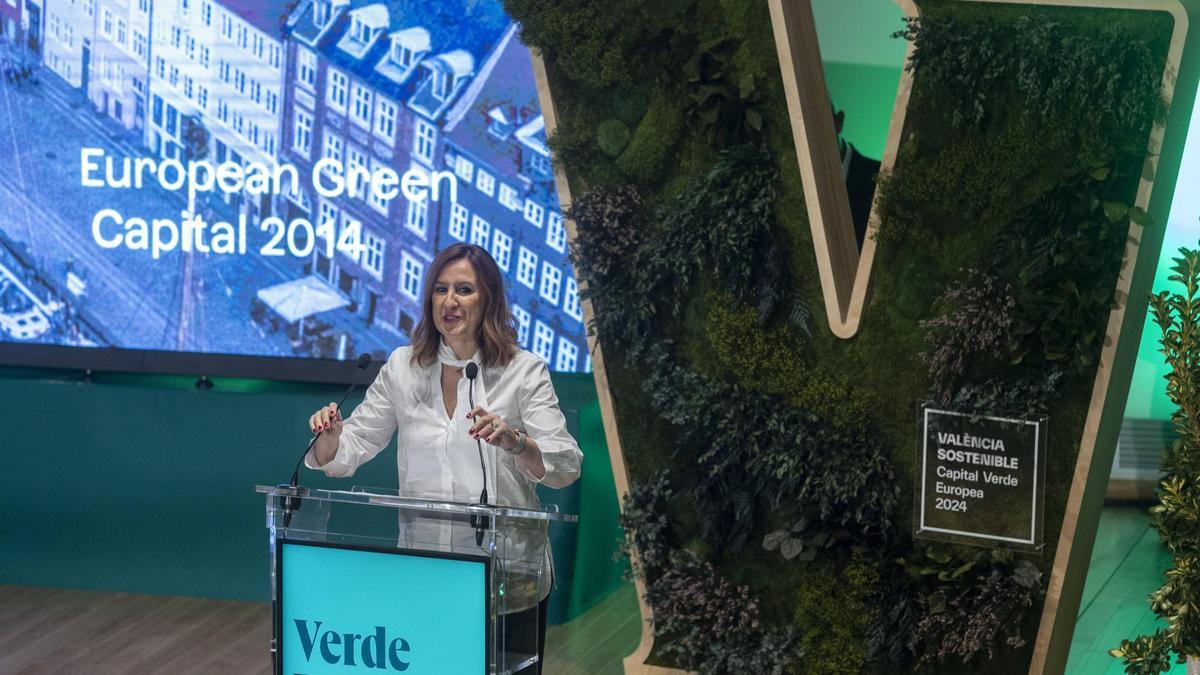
(269,178)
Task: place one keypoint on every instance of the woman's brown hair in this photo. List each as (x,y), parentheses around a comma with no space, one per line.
(497,334)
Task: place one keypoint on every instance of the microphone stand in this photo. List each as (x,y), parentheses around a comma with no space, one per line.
(472,370)
(292,504)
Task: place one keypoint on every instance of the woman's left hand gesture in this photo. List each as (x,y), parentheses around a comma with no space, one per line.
(492,429)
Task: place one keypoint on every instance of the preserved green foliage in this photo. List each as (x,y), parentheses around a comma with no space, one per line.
(1096,89)
(586,39)
(694,247)
(833,613)
(713,625)
(1068,247)
(629,104)
(762,360)
(612,136)
(975,317)
(654,142)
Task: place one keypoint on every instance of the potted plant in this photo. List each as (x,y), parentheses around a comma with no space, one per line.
(1177,515)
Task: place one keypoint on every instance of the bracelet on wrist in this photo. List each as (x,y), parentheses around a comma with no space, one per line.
(520,446)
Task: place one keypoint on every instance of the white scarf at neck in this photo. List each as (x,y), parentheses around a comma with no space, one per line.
(447,356)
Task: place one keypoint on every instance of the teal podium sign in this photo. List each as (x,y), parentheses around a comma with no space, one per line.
(353,609)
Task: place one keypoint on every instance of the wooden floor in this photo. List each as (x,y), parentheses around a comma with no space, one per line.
(46,631)
(55,631)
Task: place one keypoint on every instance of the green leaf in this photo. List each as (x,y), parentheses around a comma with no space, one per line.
(1115,211)
(791,547)
(754,119)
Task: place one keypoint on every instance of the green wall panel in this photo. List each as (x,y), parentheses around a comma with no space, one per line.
(144,484)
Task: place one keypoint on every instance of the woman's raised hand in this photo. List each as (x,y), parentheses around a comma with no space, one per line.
(493,430)
(328,423)
(327,419)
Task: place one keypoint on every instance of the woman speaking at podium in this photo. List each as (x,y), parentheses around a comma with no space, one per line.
(424,393)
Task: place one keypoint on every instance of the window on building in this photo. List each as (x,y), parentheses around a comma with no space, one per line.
(361,31)
(302,133)
(551,282)
(424,141)
(501,249)
(351,230)
(443,84)
(122,27)
(356,158)
(509,198)
(458,221)
(401,55)
(106,23)
(543,340)
(411,271)
(486,182)
(206,13)
(534,212)
(521,316)
(464,169)
(372,258)
(336,95)
(571,301)
(205,53)
(568,356)
(556,234)
(139,44)
(539,165)
(377,202)
(272,102)
(333,146)
(321,12)
(306,68)
(481,230)
(329,215)
(526,266)
(360,112)
(417,218)
(385,119)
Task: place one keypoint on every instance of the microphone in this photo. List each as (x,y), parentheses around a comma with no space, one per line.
(291,504)
(472,370)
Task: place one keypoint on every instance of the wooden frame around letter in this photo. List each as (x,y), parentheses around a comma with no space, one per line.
(845,283)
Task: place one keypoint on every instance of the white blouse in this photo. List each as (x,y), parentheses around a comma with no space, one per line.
(436,458)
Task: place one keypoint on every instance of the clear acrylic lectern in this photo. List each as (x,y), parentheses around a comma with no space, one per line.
(369,579)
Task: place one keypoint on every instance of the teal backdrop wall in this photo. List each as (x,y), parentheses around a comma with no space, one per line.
(144,484)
